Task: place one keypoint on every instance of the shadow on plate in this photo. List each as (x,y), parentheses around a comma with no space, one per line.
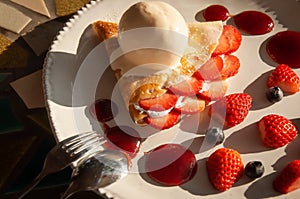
(65,72)
(292,151)
(263,53)
(194,145)
(257,89)
(249,136)
(262,188)
(199,16)
(196,123)
(199,184)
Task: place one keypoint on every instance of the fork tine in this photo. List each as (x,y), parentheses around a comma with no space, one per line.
(78,137)
(84,151)
(80,142)
(94,142)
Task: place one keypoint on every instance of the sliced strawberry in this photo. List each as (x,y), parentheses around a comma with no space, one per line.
(163,122)
(190,105)
(223,44)
(161,103)
(211,69)
(229,41)
(231,66)
(285,78)
(232,109)
(189,87)
(276,131)
(289,178)
(224,168)
(215,90)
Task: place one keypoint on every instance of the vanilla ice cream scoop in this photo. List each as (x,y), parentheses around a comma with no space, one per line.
(153,32)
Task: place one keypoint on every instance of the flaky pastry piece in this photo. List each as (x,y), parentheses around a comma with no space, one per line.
(203,39)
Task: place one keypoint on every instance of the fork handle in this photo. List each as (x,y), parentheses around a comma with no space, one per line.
(29,187)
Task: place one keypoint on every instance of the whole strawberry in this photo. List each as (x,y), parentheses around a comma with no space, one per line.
(289,178)
(224,168)
(285,78)
(233,108)
(276,131)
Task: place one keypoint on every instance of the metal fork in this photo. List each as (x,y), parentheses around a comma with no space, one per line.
(64,153)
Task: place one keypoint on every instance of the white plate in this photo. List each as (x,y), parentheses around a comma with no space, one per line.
(71,75)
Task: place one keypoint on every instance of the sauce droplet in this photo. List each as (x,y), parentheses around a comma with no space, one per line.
(104,110)
(170,164)
(284,48)
(216,13)
(254,22)
(123,138)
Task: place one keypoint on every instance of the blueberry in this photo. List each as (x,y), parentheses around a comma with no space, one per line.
(254,169)
(274,94)
(214,135)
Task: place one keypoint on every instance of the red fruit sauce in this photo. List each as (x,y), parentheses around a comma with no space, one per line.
(170,164)
(254,22)
(284,48)
(104,110)
(216,13)
(123,138)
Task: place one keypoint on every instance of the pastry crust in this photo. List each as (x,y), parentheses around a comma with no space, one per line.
(135,88)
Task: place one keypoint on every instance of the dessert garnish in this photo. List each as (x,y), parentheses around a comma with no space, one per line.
(214,135)
(123,138)
(276,131)
(254,169)
(285,78)
(163,122)
(284,48)
(232,109)
(229,41)
(274,94)
(170,164)
(190,105)
(289,178)
(254,22)
(104,110)
(251,21)
(216,13)
(224,168)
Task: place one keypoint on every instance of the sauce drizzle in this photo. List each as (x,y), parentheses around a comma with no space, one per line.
(284,48)
(254,22)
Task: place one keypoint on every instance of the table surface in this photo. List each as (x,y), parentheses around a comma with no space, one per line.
(25,133)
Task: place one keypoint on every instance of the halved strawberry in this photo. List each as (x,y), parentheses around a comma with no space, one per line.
(188,87)
(211,69)
(163,122)
(224,168)
(232,109)
(215,90)
(160,103)
(285,78)
(289,178)
(190,105)
(276,131)
(231,66)
(229,41)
